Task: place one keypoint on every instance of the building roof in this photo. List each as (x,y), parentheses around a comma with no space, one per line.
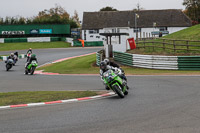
(162,18)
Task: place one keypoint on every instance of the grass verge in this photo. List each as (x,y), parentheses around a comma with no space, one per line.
(79,65)
(86,65)
(14,98)
(33,45)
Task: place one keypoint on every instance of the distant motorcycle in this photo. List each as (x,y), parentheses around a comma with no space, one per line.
(31,68)
(114,82)
(9,64)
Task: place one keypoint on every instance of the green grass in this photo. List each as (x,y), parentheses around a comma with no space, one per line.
(14,98)
(79,65)
(191,34)
(33,45)
(86,65)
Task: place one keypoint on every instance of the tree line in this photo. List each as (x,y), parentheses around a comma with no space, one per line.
(55,15)
(58,15)
(192,9)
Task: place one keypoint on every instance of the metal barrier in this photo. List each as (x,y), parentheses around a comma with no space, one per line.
(99,57)
(88,44)
(123,58)
(189,62)
(21,56)
(158,62)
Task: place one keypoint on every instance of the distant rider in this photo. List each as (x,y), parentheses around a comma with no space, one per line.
(11,57)
(16,53)
(32,58)
(28,53)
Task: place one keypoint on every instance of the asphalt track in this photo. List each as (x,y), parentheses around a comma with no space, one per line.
(155,104)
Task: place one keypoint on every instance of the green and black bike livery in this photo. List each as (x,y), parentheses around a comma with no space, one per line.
(31,67)
(115,82)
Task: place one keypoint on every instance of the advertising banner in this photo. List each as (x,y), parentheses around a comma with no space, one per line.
(13,32)
(1,40)
(39,39)
(45,31)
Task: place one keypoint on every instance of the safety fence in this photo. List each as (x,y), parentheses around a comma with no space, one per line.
(158,62)
(21,56)
(170,45)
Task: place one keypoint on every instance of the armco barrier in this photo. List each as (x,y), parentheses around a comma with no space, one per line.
(123,58)
(88,44)
(99,57)
(159,62)
(189,62)
(14,40)
(32,39)
(21,56)
(155,61)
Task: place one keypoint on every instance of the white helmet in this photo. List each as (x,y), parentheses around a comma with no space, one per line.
(106,61)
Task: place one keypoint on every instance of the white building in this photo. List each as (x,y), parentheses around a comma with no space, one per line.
(148,23)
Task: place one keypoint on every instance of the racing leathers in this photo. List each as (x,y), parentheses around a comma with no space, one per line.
(30,60)
(116,70)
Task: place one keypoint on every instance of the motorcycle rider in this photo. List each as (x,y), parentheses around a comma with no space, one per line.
(28,53)
(105,67)
(108,62)
(16,53)
(113,64)
(32,58)
(11,57)
(15,57)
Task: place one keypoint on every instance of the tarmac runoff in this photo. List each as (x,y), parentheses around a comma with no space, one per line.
(59,101)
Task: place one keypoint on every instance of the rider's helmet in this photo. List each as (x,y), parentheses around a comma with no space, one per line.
(103,65)
(106,61)
(12,54)
(33,55)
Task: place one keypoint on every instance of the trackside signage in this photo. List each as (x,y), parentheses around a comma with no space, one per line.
(34,31)
(13,32)
(45,31)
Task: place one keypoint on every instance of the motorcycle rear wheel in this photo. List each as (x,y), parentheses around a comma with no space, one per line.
(32,70)
(7,67)
(26,71)
(118,91)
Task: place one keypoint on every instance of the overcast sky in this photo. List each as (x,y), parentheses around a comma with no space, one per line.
(29,8)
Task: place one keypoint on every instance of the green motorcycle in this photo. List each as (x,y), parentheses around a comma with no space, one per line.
(31,67)
(114,82)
